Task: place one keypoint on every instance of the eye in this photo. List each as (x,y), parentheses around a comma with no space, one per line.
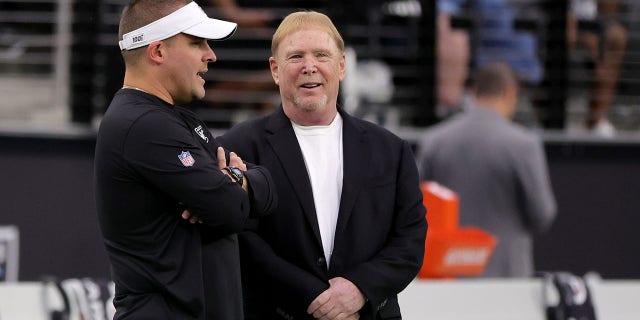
(322,56)
(199,42)
(294,57)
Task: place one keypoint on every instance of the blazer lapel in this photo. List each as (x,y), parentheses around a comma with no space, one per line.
(355,165)
(285,145)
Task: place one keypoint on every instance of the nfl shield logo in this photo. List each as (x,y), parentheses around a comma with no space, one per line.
(186,159)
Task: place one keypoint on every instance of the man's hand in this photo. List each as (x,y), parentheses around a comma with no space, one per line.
(234,161)
(186,215)
(341,301)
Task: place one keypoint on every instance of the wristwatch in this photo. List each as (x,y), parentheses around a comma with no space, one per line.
(236,174)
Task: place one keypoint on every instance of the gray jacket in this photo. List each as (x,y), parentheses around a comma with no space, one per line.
(499,171)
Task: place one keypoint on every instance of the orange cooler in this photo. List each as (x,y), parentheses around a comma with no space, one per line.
(451,251)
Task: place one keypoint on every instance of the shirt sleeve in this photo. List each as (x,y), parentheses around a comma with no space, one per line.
(161,149)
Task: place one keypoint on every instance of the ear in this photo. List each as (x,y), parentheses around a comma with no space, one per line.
(273,65)
(343,66)
(510,99)
(155,51)
(511,92)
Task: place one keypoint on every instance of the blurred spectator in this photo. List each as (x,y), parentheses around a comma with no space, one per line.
(255,19)
(593,24)
(497,168)
(453,50)
(494,38)
(245,17)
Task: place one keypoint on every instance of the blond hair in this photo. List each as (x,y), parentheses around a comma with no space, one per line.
(301,20)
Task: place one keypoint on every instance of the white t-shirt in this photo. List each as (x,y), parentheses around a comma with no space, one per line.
(322,151)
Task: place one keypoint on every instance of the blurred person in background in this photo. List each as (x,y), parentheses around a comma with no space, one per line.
(256,19)
(497,168)
(243,16)
(453,50)
(489,36)
(595,25)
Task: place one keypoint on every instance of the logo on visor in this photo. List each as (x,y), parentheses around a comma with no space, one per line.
(186,159)
(137,39)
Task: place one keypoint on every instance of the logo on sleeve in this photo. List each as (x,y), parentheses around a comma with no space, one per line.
(186,159)
(200,132)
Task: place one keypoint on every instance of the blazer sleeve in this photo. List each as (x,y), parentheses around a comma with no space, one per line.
(262,191)
(396,265)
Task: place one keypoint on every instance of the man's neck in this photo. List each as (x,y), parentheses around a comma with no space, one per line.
(495,105)
(150,87)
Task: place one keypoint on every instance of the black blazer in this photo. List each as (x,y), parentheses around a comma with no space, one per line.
(380,233)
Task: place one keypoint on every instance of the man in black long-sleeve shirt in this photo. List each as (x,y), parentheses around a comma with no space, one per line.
(156,161)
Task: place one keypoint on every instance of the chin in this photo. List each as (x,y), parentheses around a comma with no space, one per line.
(311,104)
(198,95)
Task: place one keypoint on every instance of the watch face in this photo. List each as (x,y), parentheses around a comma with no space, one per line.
(236,173)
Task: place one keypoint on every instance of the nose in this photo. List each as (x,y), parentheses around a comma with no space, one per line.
(210,56)
(309,66)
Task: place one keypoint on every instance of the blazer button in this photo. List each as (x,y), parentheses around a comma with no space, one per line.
(321,262)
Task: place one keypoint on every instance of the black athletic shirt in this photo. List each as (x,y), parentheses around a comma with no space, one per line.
(152,160)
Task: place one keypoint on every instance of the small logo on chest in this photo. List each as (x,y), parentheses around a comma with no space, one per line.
(200,133)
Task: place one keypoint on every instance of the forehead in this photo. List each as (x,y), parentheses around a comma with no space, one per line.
(308,39)
(189,37)
(181,38)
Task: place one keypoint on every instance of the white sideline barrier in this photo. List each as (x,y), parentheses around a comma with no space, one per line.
(23,300)
(493,299)
(508,299)
(477,299)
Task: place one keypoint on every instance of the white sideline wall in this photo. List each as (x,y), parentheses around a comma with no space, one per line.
(508,299)
(477,299)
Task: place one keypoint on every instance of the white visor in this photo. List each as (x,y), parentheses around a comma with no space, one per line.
(190,19)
